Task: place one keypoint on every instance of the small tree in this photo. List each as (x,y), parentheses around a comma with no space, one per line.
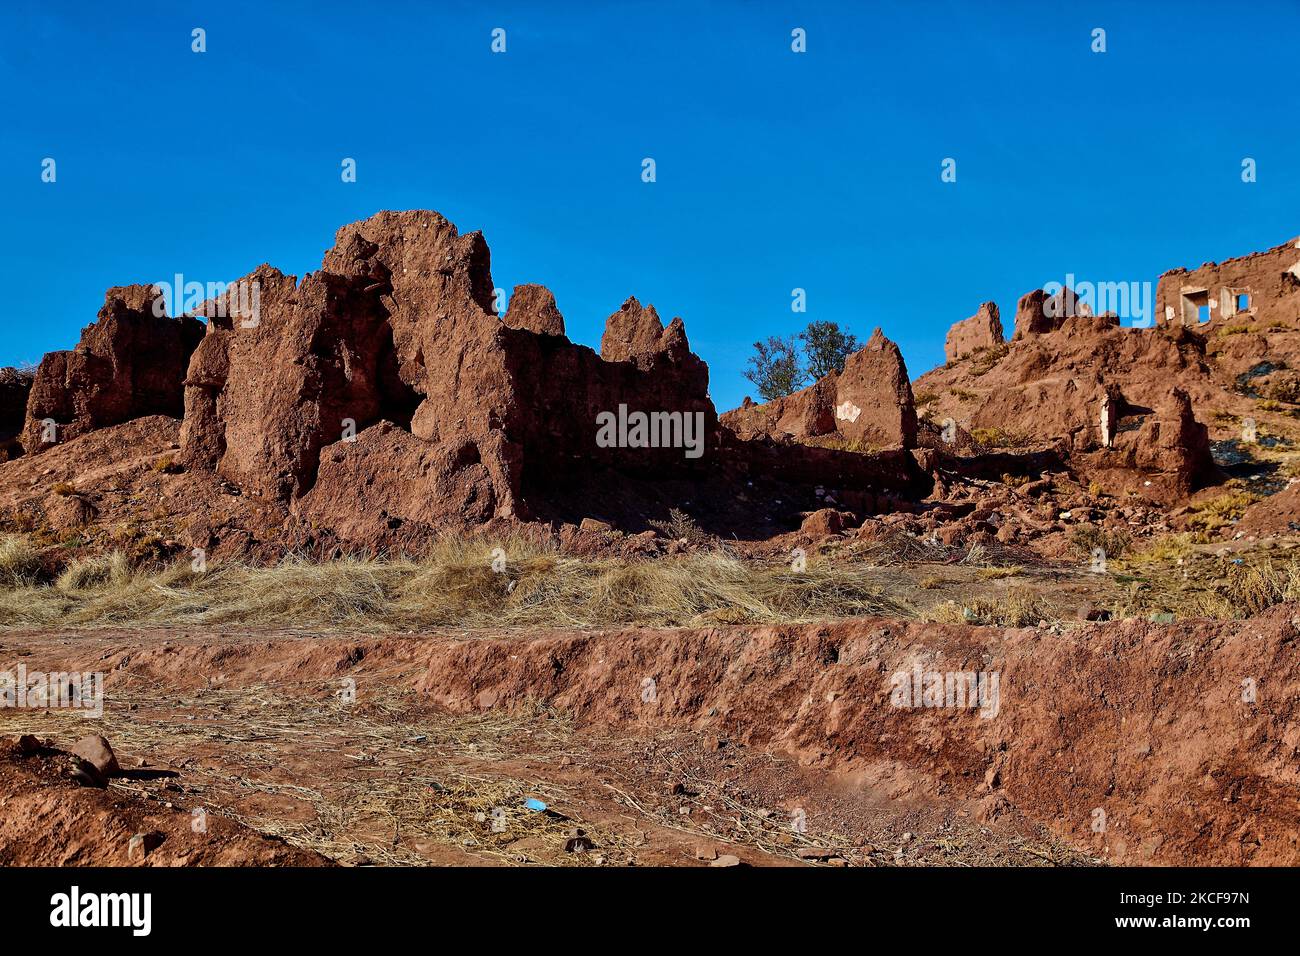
(774,367)
(827,346)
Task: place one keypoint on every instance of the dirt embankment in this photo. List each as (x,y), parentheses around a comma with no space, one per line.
(1141,743)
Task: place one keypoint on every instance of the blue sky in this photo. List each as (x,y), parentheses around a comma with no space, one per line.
(775,170)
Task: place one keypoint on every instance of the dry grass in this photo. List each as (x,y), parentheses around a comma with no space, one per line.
(403,783)
(1170,548)
(456,585)
(20,561)
(480,584)
(1252,588)
(1000,438)
(1088,537)
(996,573)
(1019,607)
(1222,510)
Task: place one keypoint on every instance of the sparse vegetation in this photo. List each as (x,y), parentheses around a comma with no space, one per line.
(1252,588)
(984,359)
(962,395)
(1018,608)
(999,438)
(1165,550)
(1222,510)
(996,573)
(63,488)
(167,465)
(1086,538)
(680,526)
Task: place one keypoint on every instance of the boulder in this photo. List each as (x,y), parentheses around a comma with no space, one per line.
(97,752)
(824,522)
(388,485)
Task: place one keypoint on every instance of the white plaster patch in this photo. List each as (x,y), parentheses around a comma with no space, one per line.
(847,411)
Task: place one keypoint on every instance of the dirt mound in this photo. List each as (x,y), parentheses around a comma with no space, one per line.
(51,820)
(1278,514)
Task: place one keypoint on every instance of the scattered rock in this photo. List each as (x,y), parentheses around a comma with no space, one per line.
(97,751)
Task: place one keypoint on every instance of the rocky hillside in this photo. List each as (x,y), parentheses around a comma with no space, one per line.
(381,400)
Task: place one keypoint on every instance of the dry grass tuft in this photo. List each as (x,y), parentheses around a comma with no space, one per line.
(1252,588)
(1166,549)
(20,561)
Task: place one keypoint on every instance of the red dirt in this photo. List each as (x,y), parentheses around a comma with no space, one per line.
(48,820)
(1143,722)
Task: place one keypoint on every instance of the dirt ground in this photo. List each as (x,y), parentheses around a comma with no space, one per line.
(775,745)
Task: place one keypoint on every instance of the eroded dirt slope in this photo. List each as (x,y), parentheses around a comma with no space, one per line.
(1131,741)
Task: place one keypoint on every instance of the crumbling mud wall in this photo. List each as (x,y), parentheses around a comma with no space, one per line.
(15,387)
(1262,288)
(129,363)
(868,406)
(983,330)
(382,395)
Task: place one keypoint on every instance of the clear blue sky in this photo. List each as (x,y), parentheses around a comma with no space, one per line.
(776,170)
